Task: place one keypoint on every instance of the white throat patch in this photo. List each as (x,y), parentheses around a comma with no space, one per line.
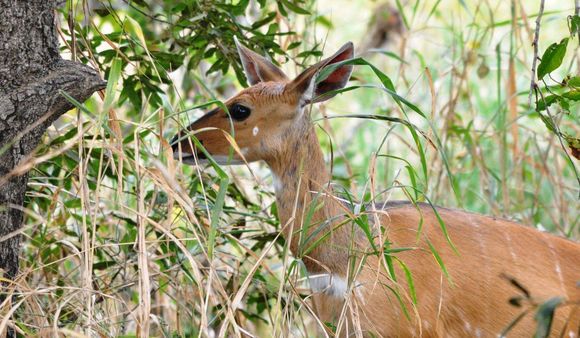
(278,186)
(329,284)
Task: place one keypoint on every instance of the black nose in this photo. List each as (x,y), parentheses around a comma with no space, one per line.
(175,143)
(179,138)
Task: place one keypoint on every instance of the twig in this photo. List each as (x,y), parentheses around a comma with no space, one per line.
(559,136)
(533,84)
(576,13)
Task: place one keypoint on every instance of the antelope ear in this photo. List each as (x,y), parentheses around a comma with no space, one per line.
(257,68)
(310,92)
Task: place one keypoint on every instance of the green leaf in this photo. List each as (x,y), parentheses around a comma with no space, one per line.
(240,7)
(573,95)
(545,315)
(267,19)
(215,215)
(574,24)
(546,102)
(564,104)
(574,81)
(324,21)
(73,203)
(309,53)
(439,261)
(294,45)
(295,8)
(410,282)
(552,58)
(548,122)
(112,83)
(388,53)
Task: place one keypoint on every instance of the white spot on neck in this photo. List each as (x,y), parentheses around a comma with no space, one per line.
(255,131)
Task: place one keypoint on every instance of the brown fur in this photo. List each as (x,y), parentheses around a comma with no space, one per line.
(472,302)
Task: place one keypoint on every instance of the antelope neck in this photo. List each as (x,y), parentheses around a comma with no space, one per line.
(300,160)
(300,178)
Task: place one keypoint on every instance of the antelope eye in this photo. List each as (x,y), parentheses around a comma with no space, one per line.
(239,112)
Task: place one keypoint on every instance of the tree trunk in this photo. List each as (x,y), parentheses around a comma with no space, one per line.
(32,76)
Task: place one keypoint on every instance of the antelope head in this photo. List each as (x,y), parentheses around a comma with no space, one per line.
(264,118)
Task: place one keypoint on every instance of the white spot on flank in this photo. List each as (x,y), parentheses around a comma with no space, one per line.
(478,333)
(559,270)
(485,285)
(510,246)
(571,334)
(255,131)
(557,265)
(467,327)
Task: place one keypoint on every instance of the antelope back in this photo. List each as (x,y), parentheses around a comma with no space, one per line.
(261,118)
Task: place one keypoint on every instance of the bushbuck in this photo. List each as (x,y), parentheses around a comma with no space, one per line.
(405,276)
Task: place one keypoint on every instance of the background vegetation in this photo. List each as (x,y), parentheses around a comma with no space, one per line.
(123,240)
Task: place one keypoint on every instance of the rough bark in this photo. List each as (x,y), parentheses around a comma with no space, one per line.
(32,76)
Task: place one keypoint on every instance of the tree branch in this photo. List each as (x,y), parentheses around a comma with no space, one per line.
(39,103)
(32,74)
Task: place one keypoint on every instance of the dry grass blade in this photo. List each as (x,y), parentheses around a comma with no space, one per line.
(120,238)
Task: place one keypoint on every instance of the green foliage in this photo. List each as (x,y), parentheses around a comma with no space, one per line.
(566,93)
(429,118)
(158,38)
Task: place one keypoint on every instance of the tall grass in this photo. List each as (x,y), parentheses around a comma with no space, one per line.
(123,240)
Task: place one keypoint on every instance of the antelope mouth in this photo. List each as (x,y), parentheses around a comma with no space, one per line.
(189,158)
(185,156)
(201,159)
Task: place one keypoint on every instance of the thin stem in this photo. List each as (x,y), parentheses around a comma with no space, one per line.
(533,84)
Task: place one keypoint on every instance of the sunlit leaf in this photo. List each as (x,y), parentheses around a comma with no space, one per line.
(552,58)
